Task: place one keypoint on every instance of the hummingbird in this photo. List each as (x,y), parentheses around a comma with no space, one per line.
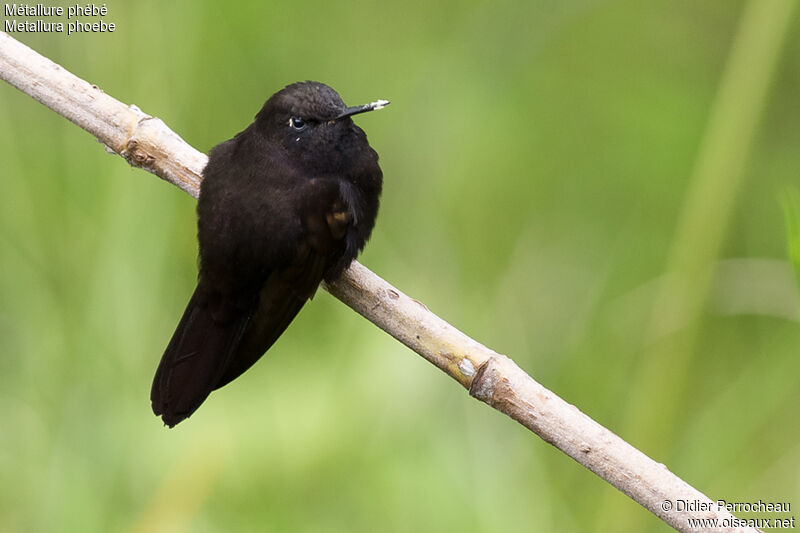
(286,203)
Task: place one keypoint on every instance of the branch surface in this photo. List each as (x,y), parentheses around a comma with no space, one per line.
(146,142)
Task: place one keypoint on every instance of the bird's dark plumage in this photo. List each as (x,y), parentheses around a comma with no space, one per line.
(286,203)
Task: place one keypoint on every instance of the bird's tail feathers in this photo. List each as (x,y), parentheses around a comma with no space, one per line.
(194,361)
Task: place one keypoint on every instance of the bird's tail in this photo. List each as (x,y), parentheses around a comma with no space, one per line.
(194,361)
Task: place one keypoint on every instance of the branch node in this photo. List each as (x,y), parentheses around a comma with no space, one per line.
(481,388)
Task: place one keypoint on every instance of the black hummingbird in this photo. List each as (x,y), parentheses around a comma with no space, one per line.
(288,202)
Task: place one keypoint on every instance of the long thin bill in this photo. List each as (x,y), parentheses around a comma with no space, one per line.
(355,110)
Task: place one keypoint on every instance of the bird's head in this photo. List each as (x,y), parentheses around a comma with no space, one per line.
(310,119)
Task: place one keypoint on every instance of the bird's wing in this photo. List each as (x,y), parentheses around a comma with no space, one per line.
(286,290)
(220,337)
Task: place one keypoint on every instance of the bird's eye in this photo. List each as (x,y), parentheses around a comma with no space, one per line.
(297,123)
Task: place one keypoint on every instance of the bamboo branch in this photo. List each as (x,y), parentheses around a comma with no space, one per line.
(146,142)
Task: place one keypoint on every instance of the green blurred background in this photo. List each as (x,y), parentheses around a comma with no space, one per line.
(591,187)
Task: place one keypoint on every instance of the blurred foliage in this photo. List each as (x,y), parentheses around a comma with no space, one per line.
(791,213)
(537,158)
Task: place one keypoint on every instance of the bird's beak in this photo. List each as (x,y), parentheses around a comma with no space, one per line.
(355,110)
